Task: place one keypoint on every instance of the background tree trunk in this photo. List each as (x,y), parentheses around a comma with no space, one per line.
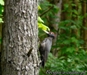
(65,15)
(0,46)
(84,30)
(0,34)
(20,36)
(58,3)
(54,22)
(75,18)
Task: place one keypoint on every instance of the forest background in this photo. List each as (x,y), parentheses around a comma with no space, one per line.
(67,18)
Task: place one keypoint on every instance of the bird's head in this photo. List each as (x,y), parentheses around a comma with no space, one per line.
(51,34)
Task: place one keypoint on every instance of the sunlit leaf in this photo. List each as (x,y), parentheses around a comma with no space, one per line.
(1,2)
(40,20)
(43,27)
(69,60)
(1,21)
(39,8)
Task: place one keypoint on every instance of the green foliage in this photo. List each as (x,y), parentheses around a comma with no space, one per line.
(1,15)
(71,56)
(68,58)
(48,12)
(73,63)
(42,26)
(1,10)
(1,2)
(39,8)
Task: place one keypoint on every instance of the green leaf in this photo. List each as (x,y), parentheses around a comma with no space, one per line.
(40,20)
(75,12)
(73,27)
(1,21)
(69,60)
(73,39)
(70,50)
(43,27)
(66,42)
(66,5)
(1,2)
(39,8)
(1,9)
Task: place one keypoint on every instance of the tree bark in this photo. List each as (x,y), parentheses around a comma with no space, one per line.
(20,36)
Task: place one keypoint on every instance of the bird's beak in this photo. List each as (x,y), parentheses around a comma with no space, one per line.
(46,32)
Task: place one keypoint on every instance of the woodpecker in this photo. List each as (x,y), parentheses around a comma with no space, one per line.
(45,47)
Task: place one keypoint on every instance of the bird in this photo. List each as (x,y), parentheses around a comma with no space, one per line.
(45,47)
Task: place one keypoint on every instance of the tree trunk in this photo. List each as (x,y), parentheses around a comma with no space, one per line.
(54,22)
(0,35)
(75,18)
(20,36)
(0,45)
(84,30)
(58,3)
(65,14)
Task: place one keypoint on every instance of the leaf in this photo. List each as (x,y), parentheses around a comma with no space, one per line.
(40,20)
(43,27)
(75,12)
(66,5)
(66,42)
(69,60)
(1,2)
(73,27)
(70,50)
(1,21)
(39,8)
(1,9)
(73,39)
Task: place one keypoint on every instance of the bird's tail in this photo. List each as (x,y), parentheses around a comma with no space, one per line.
(42,61)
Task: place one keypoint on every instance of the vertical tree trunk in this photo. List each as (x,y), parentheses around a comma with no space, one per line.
(58,3)
(54,22)
(0,35)
(20,34)
(75,18)
(65,14)
(0,45)
(84,31)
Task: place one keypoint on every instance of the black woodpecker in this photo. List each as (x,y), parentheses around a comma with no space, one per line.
(45,47)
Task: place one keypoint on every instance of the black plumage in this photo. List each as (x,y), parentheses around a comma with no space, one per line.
(45,47)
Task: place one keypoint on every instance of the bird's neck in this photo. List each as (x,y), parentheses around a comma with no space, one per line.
(50,38)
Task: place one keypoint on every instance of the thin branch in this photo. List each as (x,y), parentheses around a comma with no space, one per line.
(47,11)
